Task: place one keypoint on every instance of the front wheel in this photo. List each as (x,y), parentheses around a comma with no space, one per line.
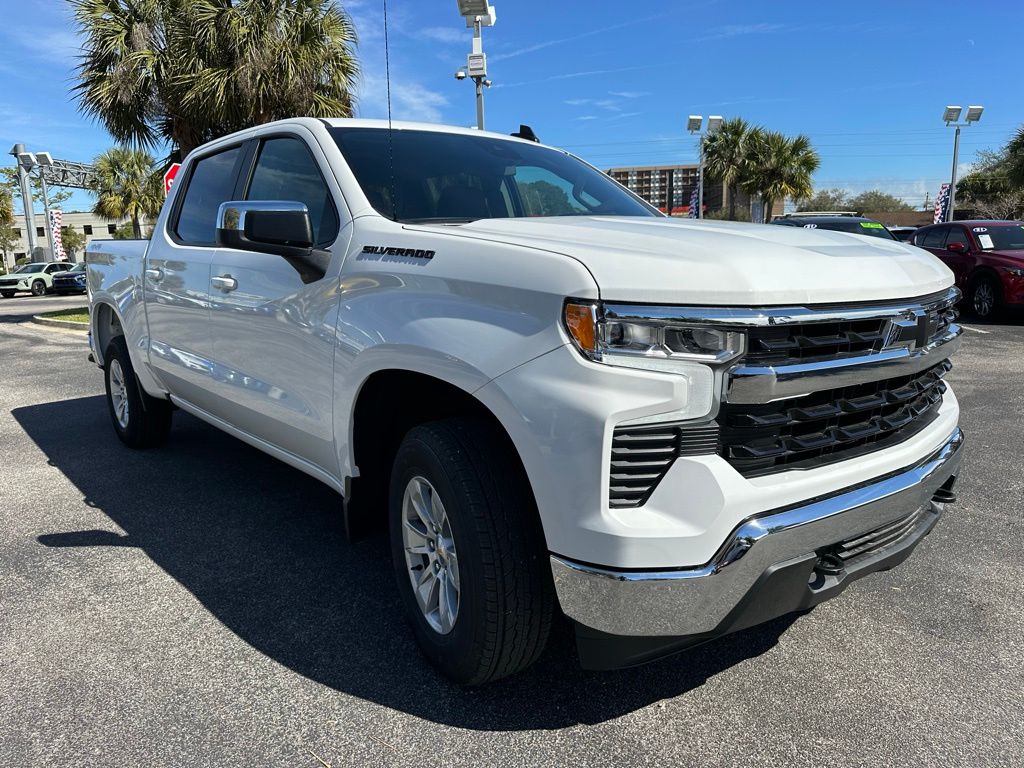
(140,420)
(38,288)
(468,552)
(7,294)
(986,297)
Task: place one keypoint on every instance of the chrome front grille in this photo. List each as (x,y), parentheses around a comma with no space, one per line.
(831,425)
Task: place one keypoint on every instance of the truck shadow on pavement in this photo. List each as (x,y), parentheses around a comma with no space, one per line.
(263,548)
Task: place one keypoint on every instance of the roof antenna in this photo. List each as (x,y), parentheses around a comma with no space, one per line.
(391,149)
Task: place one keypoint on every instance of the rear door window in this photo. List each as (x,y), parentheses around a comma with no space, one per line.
(933,238)
(211,182)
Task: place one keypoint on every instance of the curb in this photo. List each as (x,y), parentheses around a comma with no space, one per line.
(39,320)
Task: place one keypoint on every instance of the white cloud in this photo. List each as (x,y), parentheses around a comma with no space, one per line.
(629,94)
(410,100)
(572,38)
(444,34)
(587,117)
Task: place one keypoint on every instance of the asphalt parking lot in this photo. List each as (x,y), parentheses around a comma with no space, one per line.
(199,605)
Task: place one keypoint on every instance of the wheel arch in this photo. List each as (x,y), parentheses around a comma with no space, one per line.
(389,403)
(105,325)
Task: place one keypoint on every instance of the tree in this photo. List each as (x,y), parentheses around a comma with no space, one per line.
(126,232)
(188,71)
(834,199)
(542,198)
(8,238)
(877,200)
(71,239)
(1014,153)
(779,167)
(127,185)
(725,156)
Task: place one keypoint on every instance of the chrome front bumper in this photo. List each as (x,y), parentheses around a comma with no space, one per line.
(702,600)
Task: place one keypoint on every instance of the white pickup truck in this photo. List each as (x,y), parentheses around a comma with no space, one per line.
(552,396)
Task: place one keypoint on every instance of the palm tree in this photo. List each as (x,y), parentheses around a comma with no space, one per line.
(189,71)
(128,185)
(1015,159)
(779,167)
(725,156)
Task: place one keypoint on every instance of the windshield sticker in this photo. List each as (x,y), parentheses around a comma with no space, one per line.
(985,241)
(980,229)
(871,225)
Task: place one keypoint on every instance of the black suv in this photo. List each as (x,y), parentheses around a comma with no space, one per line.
(856,225)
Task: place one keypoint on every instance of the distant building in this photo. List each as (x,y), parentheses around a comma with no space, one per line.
(668,188)
(89,225)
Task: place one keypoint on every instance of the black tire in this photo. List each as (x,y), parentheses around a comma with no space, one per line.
(985,297)
(506,601)
(147,419)
(38,288)
(7,294)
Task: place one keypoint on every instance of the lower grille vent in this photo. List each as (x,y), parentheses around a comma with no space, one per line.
(641,456)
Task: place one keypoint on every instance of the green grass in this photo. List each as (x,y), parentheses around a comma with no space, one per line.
(76,315)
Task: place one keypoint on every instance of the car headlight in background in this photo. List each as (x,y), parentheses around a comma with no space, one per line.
(1015,272)
(648,343)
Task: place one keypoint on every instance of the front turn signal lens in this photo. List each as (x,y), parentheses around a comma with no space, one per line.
(581,323)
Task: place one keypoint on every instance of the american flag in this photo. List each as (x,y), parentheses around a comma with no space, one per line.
(56,217)
(941,201)
(694,201)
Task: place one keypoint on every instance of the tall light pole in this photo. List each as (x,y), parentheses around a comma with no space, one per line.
(26,161)
(44,161)
(478,14)
(695,125)
(951,117)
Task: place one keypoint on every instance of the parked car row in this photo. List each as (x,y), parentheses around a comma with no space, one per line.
(40,279)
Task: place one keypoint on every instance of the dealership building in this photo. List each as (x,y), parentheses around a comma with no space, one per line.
(89,225)
(669,187)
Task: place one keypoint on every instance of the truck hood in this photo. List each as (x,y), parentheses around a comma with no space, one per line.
(681,261)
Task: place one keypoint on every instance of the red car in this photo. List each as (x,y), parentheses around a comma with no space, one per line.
(987,258)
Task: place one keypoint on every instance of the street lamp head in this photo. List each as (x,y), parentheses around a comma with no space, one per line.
(952,114)
(974,113)
(44,158)
(694,122)
(477,10)
(26,160)
(714,123)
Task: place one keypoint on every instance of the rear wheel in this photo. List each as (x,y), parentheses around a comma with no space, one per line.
(986,297)
(140,420)
(468,552)
(38,288)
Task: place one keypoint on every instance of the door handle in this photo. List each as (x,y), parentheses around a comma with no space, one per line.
(155,274)
(224,283)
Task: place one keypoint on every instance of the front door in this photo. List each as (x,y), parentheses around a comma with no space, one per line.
(177,279)
(273,332)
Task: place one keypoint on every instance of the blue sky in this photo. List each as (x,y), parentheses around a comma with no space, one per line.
(614,81)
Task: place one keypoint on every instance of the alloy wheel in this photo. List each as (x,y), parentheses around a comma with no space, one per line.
(430,557)
(984,299)
(118,393)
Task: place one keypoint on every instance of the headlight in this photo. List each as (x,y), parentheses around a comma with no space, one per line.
(1016,272)
(650,343)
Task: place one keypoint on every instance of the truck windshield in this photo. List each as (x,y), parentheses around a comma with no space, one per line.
(455,177)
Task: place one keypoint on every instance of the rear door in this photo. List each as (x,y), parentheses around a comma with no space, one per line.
(177,277)
(273,328)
